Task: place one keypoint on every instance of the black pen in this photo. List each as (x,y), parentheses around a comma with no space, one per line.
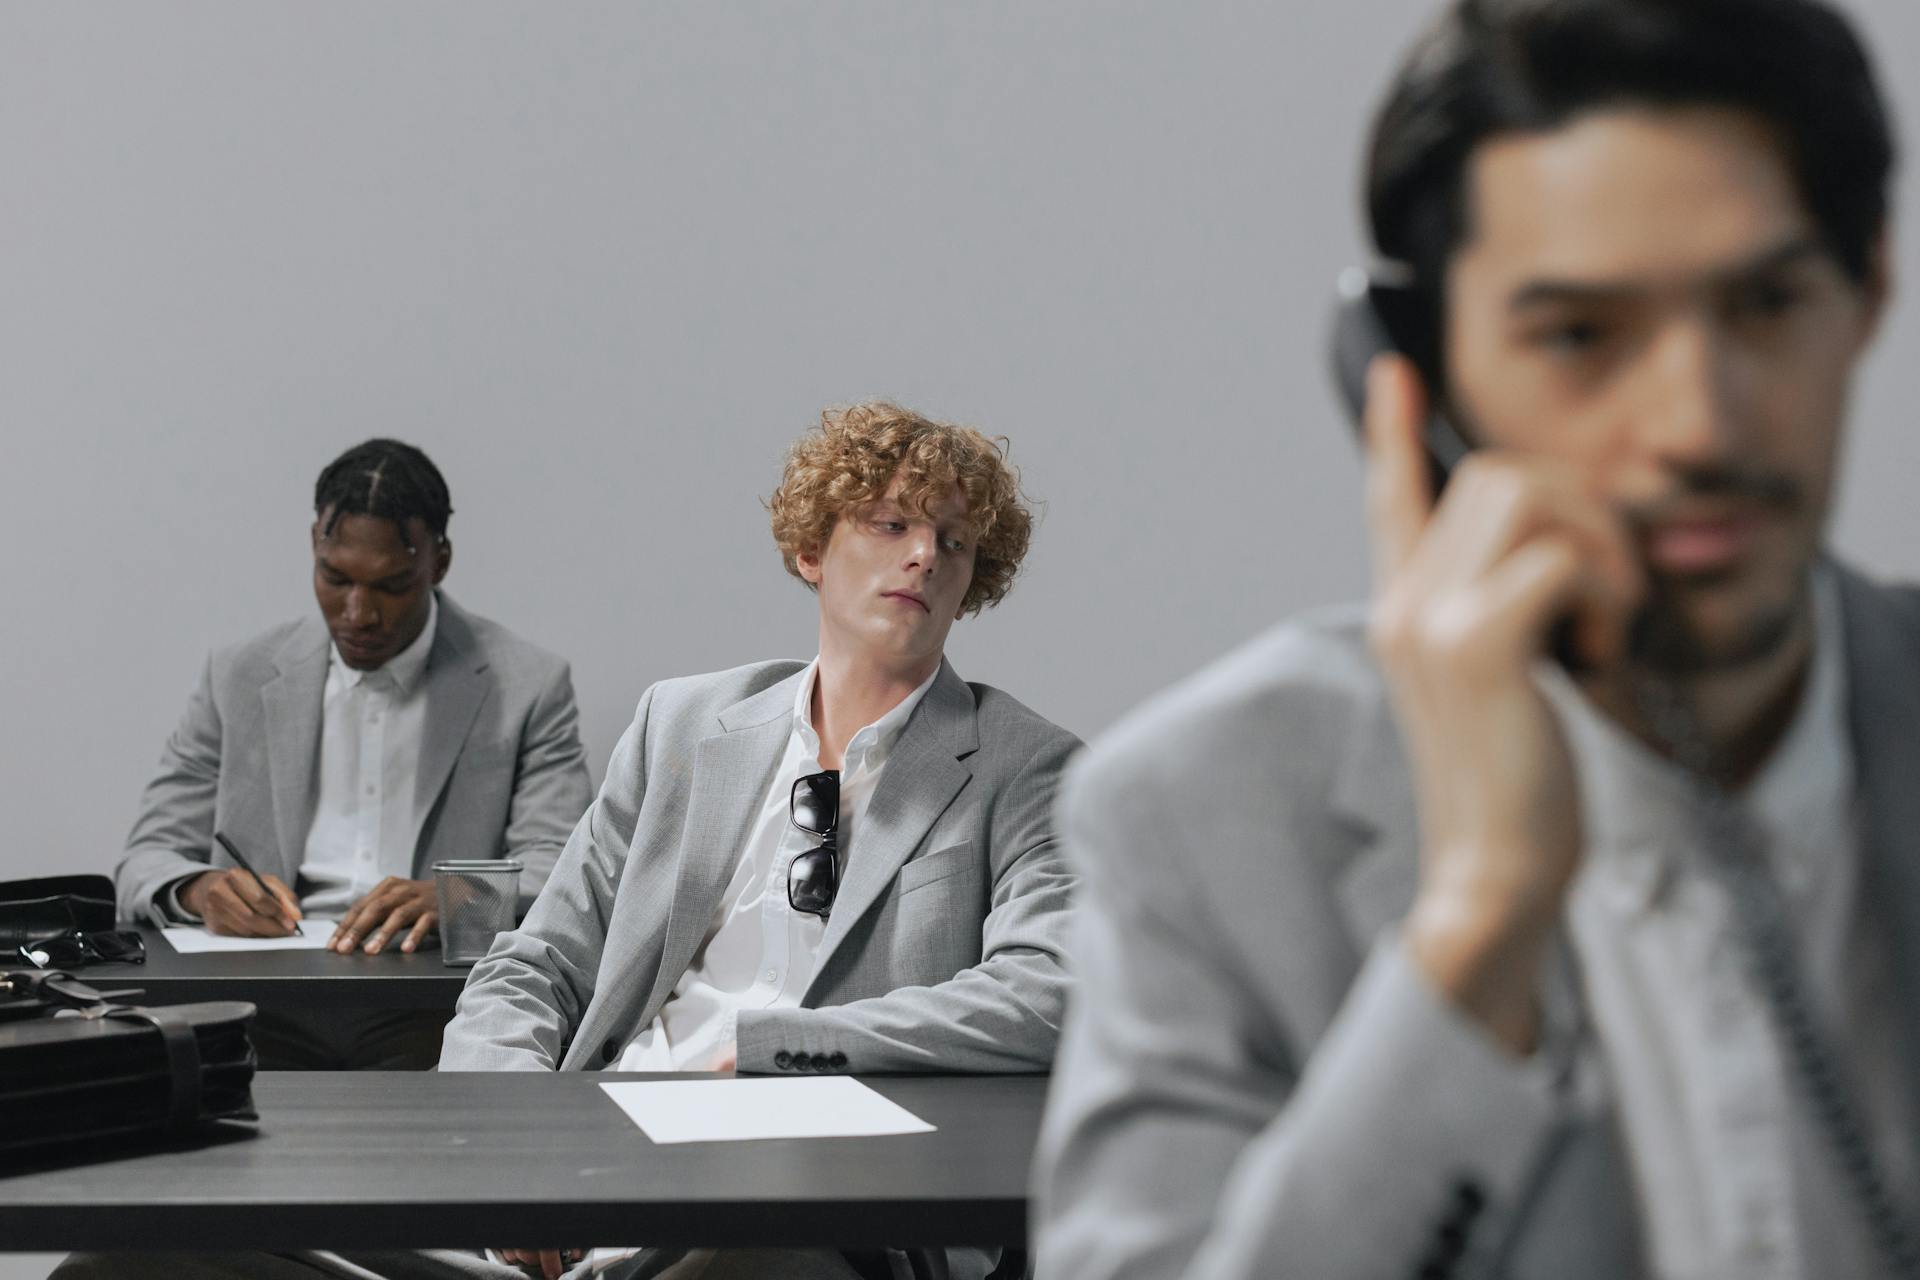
(245,866)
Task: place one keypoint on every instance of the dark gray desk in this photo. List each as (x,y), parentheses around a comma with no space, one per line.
(285,979)
(405,1159)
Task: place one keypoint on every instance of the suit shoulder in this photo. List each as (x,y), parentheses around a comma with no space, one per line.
(715,691)
(252,660)
(1001,716)
(1277,713)
(1885,612)
(511,654)
(1904,597)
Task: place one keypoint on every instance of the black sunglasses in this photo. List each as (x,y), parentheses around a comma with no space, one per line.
(75,947)
(814,876)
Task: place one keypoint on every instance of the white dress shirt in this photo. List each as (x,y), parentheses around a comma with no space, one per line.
(759,952)
(364,823)
(1732,1175)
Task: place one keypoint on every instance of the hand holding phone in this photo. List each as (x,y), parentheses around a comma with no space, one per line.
(1470,583)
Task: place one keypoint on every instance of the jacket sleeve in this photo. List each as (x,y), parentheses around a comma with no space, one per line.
(1391,1147)
(522,1002)
(551,787)
(172,838)
(1004,1013)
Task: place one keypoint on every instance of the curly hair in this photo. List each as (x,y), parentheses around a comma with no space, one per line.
(847,462)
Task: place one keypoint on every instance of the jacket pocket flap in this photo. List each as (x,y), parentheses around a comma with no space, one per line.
(937,865)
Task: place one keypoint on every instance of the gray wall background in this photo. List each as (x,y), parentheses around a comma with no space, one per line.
(604,261)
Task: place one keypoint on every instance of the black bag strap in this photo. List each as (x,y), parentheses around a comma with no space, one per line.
(176,1033)
(183,1060)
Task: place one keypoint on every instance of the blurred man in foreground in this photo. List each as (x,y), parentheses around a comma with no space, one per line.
(1408,950)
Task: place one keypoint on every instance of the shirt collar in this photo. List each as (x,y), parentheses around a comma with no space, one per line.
(1638,807)
(869,747)
(404,667)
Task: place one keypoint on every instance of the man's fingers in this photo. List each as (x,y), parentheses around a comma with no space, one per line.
(1399,490)
(389,909)
(396,919)
(1546,579)
(363,915)
(258,900)
(347,932)
(360,918)
(550,1265)
(289,904)
(1496,503)
(421,928)
(237,914)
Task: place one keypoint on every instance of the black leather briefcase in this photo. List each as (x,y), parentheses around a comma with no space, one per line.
(50,905)
(76,1067)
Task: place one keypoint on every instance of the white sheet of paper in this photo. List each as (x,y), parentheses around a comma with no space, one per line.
(671,1111)
(189,939)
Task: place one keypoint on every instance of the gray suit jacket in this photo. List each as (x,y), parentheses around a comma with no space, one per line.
(501,773)
(944,948)
(1256,1082)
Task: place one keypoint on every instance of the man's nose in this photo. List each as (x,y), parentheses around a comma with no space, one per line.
(1692,413)
(360,610)
(921,548)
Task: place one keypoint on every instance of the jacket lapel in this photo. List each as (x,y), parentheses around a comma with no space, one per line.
(923,775)
(456,685)
(290,707)
(731,772)
(1883,712)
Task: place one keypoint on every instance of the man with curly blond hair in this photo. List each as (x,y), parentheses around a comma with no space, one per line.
(843,865)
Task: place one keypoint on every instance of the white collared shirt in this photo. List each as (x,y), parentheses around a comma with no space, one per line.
(1732,1175)
(371,730)
(759,952)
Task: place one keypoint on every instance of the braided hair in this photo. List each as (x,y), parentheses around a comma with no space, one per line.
(388,479)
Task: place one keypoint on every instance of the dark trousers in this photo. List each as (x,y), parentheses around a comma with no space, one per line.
(348,1039)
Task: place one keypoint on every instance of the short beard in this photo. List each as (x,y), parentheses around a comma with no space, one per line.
(1666,643)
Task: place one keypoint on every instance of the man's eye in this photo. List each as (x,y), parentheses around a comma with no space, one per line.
(1574,337)
(1768,298)
(955,545)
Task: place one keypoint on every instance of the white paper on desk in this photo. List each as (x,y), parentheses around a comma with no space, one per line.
(189,939)
(671,1111)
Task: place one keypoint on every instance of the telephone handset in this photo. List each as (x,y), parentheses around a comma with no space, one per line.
(1375,315)
(1372,317)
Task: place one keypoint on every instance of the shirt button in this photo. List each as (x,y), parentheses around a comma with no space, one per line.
(369,790)
(772,975)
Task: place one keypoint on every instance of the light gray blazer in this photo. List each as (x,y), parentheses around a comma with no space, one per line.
(501,773)
(944,949)
(1255,1082)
